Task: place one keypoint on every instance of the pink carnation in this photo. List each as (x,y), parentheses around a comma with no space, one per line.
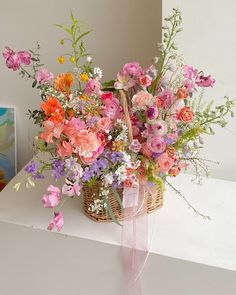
(52,199)
(104,124)
(142,100)
(57,221)
(44,76)
(87,143)
(112,108)
(165,162)
(93,87)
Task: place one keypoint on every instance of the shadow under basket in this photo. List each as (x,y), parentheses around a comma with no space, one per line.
(91,201)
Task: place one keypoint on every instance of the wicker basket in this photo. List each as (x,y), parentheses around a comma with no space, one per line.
(91,193)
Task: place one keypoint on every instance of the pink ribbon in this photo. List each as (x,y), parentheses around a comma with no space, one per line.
(134,237)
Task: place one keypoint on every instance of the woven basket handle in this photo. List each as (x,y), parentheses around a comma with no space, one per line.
(124,103)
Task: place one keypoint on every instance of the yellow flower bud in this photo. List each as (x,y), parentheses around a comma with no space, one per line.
(72,59)
(62,42)
(61,59)
(84,77)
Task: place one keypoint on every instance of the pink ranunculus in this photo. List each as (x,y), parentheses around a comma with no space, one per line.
(87,143)
(207,81)
(44,76)
(64,149)
(52,199)
(104,124)
(135,146)
(132,69)
(8,52)
(57,221)
(71,190)
(159,128)
(113,109)
(124,82)
(90,160)
(145,150)
(165,162)
(156,144)
(25,57)
(13,62)
(145,80)
(93,87)
(142,100)
(190,72)
(167,98)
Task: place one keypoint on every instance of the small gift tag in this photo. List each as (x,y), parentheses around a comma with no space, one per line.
(130,196)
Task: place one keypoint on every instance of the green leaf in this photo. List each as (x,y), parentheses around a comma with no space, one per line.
(81,36)
(34,83)
(108,84)
(118,198)
(111,213)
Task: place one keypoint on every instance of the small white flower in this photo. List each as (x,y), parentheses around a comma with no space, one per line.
(97,72)
(89,58)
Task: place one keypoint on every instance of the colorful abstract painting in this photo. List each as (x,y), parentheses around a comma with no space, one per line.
(7,145)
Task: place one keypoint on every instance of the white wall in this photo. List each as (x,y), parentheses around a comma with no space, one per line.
(123,31)
(208,42)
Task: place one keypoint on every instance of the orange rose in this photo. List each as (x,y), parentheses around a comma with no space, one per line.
(174,171)
(182,93)
(185,114)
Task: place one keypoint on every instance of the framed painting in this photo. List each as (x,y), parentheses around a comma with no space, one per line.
(7,145)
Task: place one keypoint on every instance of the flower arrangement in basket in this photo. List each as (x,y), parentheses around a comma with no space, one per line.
(120,139)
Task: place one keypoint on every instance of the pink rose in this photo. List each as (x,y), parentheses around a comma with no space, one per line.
(205,81)
(104,124)
(8,52)
(57,221)
(132,69)
(64,149)
(112,109)
(44,76)
(93,87)
(52,199)
(25,57)
(71,190)
(13,62)
(165,162)
(156,144)
(142,100)
(159,128)
(145,80)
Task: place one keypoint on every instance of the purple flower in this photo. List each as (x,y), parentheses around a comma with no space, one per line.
(116,157)
(152,113)
(58,169)
(33,169)
(88,174)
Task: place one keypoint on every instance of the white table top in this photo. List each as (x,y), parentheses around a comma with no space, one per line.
(178,232)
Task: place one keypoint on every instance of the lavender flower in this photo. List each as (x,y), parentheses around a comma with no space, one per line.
(117,157)
(33,169)
(58,169)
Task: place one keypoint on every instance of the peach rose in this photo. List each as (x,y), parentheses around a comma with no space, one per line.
(182,93)
(165,162)
(185,114)
(86,143)
(174,171)
(142,100)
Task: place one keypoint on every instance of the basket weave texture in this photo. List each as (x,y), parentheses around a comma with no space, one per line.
(91,194)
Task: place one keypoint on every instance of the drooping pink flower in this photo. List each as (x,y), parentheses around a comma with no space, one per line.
(25,57)
(142,100)
(190,85)
(52,199)
(124,81)
(207,81)
(135,146)
(156,144)
(145,80)
(132,69)
(13,62)
(57,221)
(64,149)
(71,190)
(190,72)
(44,76)
(8,52)
(93,87)
(165,162)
